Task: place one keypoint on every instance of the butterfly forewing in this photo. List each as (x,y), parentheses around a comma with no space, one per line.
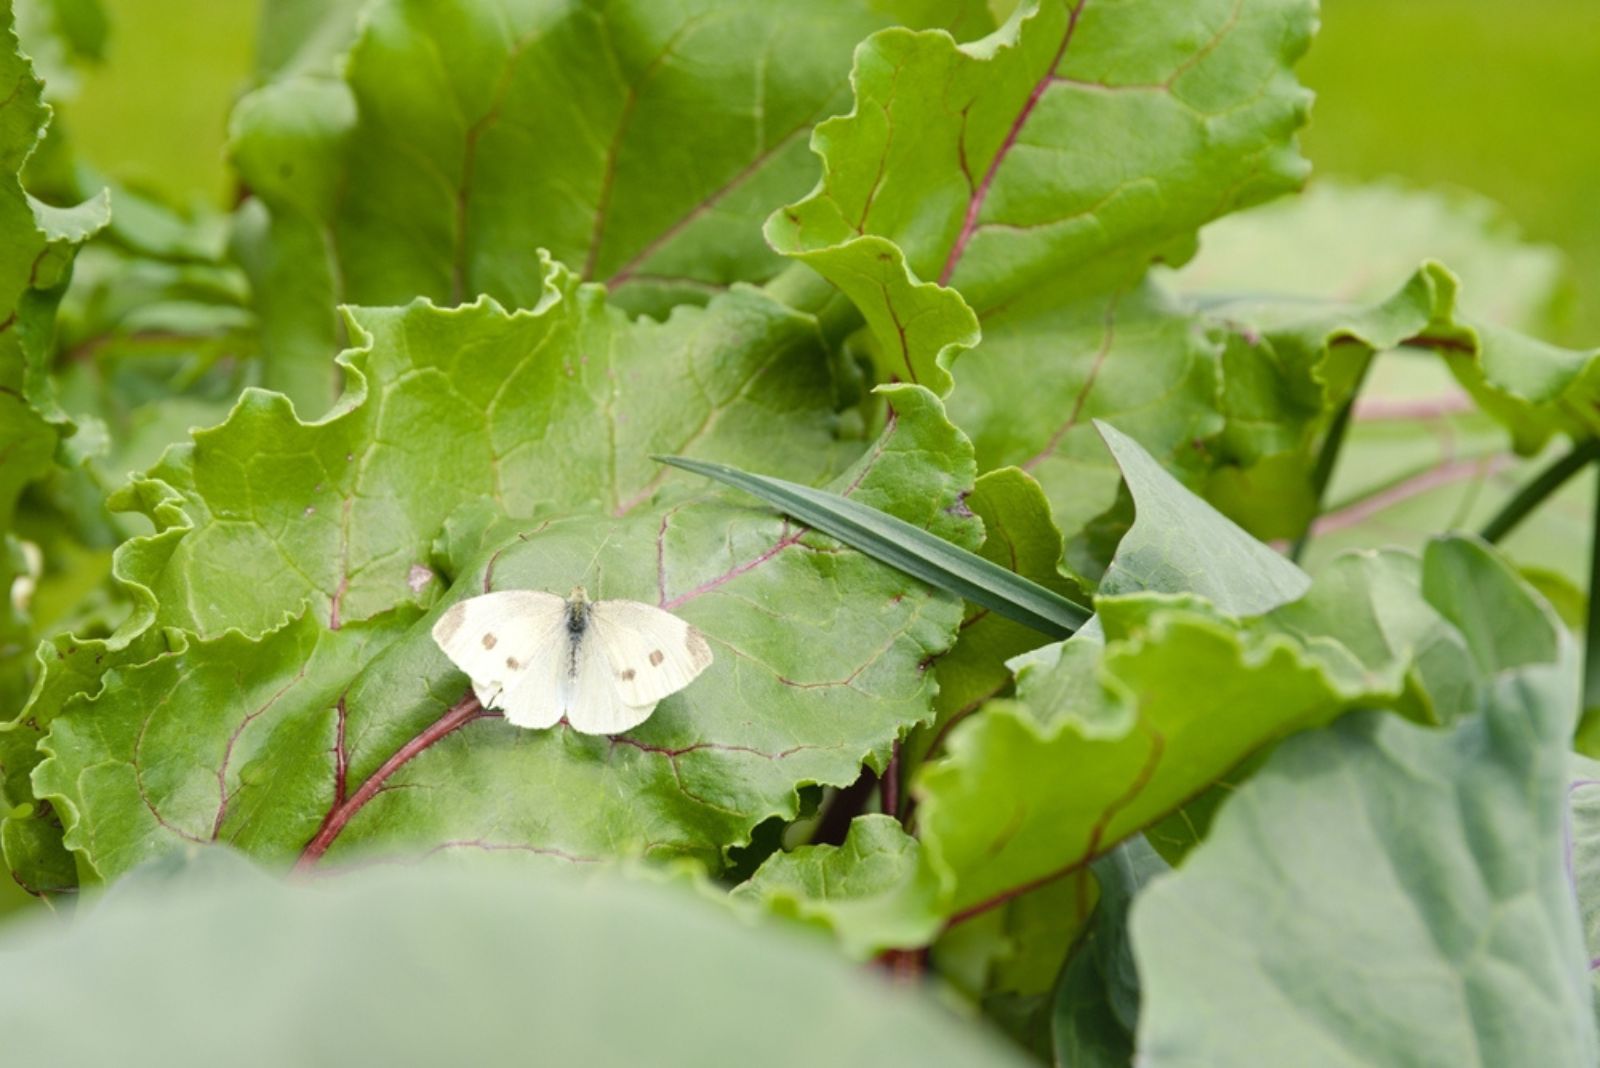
(513,646)
(651,652)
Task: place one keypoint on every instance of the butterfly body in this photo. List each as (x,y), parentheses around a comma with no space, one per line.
(602,666)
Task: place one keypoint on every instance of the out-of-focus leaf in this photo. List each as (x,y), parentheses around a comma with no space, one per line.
(1436,927)
(1338,243)
(1583,856)
(554,963)
(296,37)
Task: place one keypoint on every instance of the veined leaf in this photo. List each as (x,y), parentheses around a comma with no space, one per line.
(425,170)
(299,739)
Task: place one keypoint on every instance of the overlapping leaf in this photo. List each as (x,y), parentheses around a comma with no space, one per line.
(1037,173)
(996,816)
(872,891)
(640,142)
(1437,925)
(1319,285)
(1079,131)
(37,244)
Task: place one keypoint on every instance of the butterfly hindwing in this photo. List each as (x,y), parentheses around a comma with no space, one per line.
(650,652)
(595,705)
(512,645)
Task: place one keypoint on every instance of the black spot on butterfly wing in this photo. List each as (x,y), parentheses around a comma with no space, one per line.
(656,656)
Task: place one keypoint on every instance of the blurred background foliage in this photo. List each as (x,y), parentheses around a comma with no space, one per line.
(1440,92)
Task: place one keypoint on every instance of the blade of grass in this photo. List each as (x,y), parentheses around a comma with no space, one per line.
(907,548)
(1327,460)
(1540,487)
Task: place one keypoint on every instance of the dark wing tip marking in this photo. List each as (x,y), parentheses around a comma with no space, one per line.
(449,623)
(490,641)
(699,649)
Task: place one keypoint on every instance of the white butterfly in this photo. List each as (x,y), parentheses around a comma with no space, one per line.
(601,664)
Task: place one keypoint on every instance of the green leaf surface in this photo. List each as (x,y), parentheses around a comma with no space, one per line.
(1044,167)
(37,245)
(547,410)
(1436,927)
(1078,130)
(1131,357)
(536,476)
(1020,536)
(1583,857)
(871,892)
(1180,544)
(681,124)
(1096,1002)
(556,964)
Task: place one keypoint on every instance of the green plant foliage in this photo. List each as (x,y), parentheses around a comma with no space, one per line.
(921,355)
(556,966)
(264,490)
(1464,826)
(683,124)
(872,892)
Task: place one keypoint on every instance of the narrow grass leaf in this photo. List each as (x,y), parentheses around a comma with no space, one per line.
(907,548)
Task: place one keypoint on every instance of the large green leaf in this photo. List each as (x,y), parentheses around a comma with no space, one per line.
(215,964)
(552,409)
(1437,926)
(430,169)
(1077,131)
(1045,166)
(548,410)
(480,449)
